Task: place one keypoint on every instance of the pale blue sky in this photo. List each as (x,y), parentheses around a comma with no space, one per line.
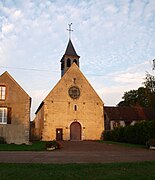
(115,39)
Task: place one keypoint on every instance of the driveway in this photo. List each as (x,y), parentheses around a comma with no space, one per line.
(81,152)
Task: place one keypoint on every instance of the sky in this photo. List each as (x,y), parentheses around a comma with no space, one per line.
(114,38)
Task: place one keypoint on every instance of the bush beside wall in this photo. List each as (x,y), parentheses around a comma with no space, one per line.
(139,133)
(2,140)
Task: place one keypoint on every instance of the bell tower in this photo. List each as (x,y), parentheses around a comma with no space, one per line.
(70,55)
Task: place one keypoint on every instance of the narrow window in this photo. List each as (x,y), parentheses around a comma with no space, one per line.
(68,62)
(74,79)
(2,92)
(75,61)
(3,115)
(75,107)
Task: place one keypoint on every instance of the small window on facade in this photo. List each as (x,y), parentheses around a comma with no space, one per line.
(75,107)
(74,79)
(116,124)
(3,115)
(2,92)
(68,62)
(75,61)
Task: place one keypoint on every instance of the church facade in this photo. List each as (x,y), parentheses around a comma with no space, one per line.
(72,110)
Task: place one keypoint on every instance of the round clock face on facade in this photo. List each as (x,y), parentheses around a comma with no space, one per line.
(74,92)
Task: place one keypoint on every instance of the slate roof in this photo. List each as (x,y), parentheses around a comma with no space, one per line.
(129,113)
(70,49)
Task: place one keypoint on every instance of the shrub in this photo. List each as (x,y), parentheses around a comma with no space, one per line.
(139,133)
(150,143)
(51,145)
(107,136)
(2,140)
(121,131)
(130,134)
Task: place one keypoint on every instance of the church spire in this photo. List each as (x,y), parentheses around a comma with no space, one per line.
(70,55)
(70,49)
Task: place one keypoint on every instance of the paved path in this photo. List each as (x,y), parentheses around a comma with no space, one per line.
(81,152)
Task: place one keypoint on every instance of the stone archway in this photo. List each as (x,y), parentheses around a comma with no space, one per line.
(75,131)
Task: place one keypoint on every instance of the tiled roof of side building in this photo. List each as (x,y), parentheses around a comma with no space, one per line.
(129,113)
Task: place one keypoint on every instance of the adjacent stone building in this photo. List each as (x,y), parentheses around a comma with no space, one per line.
(124,116)
(15,106)
(72,110)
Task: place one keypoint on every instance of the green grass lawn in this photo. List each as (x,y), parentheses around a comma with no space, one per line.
(131,171)
(36,146)
(123,144)
(41,146)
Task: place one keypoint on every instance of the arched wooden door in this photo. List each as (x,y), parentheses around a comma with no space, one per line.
(75,131)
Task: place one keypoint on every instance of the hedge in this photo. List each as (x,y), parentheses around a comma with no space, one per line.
(139,133)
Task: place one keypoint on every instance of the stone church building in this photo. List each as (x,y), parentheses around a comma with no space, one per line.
(72,110)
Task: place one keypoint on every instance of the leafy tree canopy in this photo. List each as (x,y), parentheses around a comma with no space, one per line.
(143,96)
(149,82)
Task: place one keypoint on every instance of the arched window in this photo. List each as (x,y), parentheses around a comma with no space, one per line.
(75,61)
(68,62)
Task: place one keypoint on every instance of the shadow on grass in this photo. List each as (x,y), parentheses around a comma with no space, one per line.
(142,170)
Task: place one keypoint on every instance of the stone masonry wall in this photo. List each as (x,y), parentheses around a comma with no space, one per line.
(19,103)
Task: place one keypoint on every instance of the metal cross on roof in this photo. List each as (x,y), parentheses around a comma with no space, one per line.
(70,30)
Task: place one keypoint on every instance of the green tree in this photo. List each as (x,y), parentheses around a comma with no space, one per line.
(131,97)
(143,96)
(150,82)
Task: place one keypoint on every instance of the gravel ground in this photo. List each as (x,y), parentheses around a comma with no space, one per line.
(81,152)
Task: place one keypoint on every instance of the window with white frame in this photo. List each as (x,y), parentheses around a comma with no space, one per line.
(2,92)
(3,115)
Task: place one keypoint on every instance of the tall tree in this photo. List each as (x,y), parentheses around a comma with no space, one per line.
(150,82)
(143,96)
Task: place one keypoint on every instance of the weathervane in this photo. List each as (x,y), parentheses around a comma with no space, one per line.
(70,30)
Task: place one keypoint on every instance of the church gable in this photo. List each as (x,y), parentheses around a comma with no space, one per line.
(73,78)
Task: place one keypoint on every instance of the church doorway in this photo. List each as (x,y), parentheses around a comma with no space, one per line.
(59,133)
(75,131)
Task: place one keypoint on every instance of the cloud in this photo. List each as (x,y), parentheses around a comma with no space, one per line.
(7,28)
(17,15)
(112,86)
(115,40)
(110,9)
